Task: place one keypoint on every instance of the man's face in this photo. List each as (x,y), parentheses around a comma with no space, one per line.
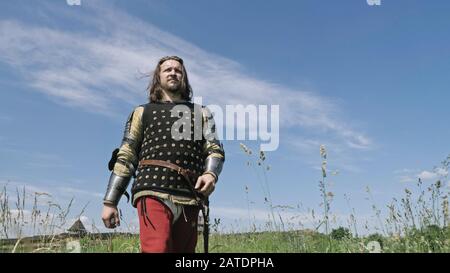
(170,75)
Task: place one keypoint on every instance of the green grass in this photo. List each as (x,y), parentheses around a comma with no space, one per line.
(264,242)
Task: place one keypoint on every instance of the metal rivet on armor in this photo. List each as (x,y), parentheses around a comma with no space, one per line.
(167,129)
(171,178)
(154,118)
(151,125)
(145,184)
(181,145)
(157,146)
(171,186)
(163,177)
(167,122)
(153,155)
(164,137)
(169,153)
(192,162)
(185,162)
(165,145)
(178,153)
(162,185)
(154,184)
(156,139)
(161,154)
(173,144)
(164,169)
(154,112)
(177,161)
(156,168)
(155,176)
(189,146)
(140,177)
(186,153)
(163,116)
(178,178)
(162,111)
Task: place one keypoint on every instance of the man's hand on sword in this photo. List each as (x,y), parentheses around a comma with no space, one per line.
(205,184)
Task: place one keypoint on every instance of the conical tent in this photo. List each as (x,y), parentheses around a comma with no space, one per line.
(77,228)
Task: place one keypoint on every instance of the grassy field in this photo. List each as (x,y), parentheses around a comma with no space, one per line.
(432,240)
(416,222)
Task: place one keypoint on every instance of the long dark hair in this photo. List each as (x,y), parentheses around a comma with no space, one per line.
(154,87)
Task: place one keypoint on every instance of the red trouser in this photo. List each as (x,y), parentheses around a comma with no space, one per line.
(159,235)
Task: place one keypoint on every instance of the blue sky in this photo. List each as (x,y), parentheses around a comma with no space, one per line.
(369,82)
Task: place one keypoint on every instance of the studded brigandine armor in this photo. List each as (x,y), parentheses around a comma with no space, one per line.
(181,133)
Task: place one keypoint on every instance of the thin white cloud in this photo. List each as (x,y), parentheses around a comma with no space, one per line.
(35,159)
(68,191)
(5,119)
(12,187)
(406,171)
(97,70)
(441,172)
(339,155)
(411,175)
(426,175)
(406,179)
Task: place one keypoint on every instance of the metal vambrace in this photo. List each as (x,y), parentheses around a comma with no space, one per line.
(213,165)
(117,186)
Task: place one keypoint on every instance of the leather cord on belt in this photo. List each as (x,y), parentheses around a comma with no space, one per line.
(188,175)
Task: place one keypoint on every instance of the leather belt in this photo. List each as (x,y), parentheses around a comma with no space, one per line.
(187,174)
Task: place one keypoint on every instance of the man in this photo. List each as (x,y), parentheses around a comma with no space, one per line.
(175,167)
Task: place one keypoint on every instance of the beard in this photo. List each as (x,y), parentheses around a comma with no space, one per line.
(173,87)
